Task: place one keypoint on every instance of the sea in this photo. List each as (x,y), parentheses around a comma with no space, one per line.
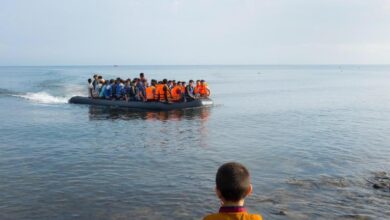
(315,138)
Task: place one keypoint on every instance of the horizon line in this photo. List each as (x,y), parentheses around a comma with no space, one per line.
(118,65)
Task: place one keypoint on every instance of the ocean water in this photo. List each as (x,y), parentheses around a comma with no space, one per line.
(313,138)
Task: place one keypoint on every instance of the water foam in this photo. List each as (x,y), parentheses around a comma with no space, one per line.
(43,97)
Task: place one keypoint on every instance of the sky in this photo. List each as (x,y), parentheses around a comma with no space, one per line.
(194,32)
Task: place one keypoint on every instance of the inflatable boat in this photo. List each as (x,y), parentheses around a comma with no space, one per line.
(142,105)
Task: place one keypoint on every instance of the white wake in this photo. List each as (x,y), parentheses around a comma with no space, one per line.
(43,97)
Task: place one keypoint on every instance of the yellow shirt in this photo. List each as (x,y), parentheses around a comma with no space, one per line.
(233,213)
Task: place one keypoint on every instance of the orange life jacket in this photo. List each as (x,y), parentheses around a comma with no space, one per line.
(150,93)
(158,90)
(196,89)
(163,95)
(176,94)
(203,91)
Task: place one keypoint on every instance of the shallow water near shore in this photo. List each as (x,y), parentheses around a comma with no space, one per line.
(311,136)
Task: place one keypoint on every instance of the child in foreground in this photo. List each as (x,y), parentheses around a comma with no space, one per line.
(232,186)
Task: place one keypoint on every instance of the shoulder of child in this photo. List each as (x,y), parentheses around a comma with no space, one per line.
(256,217)
(211,217)
(218,216)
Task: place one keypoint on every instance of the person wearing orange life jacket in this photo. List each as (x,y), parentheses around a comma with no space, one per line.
(183,87)
(197,88)
(176,92)
(203,89)
(151,92)
(179,84)
(158,86)
(164,93)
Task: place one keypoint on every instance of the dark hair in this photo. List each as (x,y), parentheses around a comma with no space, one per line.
(164,81)
(89,80)
(191,81)
(141,75)
(100,77)
(233,181)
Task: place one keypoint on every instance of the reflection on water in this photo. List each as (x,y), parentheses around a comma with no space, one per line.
(106,112)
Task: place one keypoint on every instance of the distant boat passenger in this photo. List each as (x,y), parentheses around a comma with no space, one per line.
(108,90)
(176,92)
(151,92)
(203,89)
(90,88)
(164,92)
(103,89)
(189,93)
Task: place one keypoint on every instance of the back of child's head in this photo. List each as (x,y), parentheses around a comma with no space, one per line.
(233,181)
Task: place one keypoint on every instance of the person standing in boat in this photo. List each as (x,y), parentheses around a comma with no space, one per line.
(90,88)
(94,82)
(142,77)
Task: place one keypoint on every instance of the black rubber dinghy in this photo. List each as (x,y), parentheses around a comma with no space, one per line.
(142,105)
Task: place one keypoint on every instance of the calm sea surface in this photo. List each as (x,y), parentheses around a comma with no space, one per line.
(310,135)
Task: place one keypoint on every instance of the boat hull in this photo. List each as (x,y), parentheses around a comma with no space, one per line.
(141,105)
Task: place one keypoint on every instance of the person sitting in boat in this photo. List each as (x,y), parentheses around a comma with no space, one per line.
(176,92)
(119,89)
(126,88)
(108,89)
(197,88)
(203,89)
(189,92)
(98,86)
(164,93)
(151,91)
(103,89)
(170,84)
(131,91)
(183,87)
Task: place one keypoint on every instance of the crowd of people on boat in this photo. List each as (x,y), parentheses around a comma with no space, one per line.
(139,89)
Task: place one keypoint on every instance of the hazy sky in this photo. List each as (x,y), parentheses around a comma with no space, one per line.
(50,32)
